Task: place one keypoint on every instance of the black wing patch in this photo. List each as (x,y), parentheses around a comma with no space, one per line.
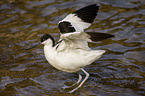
(88,13)
(66,27)
(95,36)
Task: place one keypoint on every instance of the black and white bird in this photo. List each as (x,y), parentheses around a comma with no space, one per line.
(72,53)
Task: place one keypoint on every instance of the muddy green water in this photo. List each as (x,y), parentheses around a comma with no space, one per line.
(119,72)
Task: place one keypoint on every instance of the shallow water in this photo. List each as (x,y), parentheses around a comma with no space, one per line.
(120,71)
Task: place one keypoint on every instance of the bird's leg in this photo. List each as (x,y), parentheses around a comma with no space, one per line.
(80,78)
(87,76)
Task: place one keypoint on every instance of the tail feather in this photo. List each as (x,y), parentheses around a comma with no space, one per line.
(95,36)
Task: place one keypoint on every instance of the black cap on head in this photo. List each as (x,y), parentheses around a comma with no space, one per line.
(47,36)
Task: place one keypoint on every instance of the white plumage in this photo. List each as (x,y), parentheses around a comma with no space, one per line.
(70,59)
(76,22)
(72,52)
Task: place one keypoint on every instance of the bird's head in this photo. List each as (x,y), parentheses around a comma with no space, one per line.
(47,39)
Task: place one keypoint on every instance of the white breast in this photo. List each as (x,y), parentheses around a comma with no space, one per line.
(70,60)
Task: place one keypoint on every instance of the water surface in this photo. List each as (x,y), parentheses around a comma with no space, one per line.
(120,71)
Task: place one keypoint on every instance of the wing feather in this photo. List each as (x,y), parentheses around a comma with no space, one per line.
(79,40)
(78,20)
(72,29)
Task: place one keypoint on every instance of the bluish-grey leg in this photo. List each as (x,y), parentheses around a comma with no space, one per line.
(80,78)
(87,76)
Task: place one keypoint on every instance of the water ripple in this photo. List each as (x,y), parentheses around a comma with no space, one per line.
(120,71)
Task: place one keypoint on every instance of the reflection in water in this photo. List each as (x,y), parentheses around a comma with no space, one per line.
(119,72)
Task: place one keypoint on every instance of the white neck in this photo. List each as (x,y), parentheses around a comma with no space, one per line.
(48,46)
(48,42)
